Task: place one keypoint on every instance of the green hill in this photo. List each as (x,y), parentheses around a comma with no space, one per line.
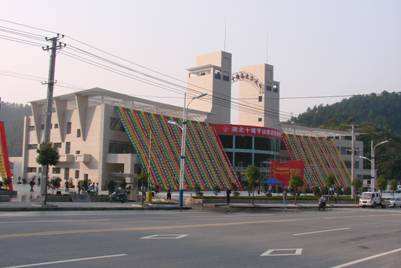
(376,116)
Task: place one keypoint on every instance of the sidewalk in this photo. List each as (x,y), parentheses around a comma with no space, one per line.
(83,206)
(277,206)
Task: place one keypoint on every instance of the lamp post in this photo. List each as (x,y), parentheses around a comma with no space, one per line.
(183,128)
(372,162)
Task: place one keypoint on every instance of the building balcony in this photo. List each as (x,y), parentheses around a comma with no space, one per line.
(66,158)
(83,158)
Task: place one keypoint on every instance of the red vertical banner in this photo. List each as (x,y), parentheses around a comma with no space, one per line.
(5,171)
(284,171)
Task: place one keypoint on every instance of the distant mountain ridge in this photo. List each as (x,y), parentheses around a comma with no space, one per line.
(380,110)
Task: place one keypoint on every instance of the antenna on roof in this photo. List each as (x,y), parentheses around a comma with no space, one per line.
(225,34)
(267,47)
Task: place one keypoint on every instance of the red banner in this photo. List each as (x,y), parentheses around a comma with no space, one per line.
(5,171)
(240,130)
(284,171)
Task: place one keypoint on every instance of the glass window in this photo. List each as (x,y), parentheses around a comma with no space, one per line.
(226,141)
(77,174)
(68,127)
(118,147)
(78,133)
(260,99)
(217,75)
(30,128)
(230,157)
(32,146)
(67,147)
(262,160)
(242,142)
(56,170)
(243,159)
(263,144)
(226,78)
(116,124)
(55,125)
(31,169)
(57,145)
(259,119)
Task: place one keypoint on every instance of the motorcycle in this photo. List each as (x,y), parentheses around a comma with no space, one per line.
(119,196)
(322,203)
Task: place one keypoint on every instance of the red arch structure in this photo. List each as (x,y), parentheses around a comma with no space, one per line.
(5,171)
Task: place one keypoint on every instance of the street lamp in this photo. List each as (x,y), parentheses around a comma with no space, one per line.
(183,128)
(372,162)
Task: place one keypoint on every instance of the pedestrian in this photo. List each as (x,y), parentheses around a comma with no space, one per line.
(24,181)
(38,180)
(228,193)
(66,186)
(169,193)
(19,179)
(285,196)
(97,188)
(32,183)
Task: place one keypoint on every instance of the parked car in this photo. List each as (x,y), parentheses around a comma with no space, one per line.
(371,199)
(394,202)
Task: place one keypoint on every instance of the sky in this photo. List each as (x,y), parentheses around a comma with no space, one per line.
(317,47)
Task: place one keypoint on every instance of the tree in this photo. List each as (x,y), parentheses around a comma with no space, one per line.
(295,183)
(357,184)
(252,175)
(47,156)
(111,186)
(381,183)
(216,190)
(393,185)
(55,183)
(330,181)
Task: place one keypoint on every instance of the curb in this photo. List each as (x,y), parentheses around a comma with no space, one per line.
(9,209)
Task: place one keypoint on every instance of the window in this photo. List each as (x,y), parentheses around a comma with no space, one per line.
(67,147)
(77,174)
(86,177)
(56,170)
(31,128)
(226,141)
(243,142)
(259,119)
(78,133)
(68,130)
(217,75)
(226,78)
(275,88)
(55,125)
(262,160)
(260,99)
(31,169)
(116,124)
(263,144)
(243,159)
(77,152)
(32,146)
(42,126)
(118,147)
(268,88)
(57,145)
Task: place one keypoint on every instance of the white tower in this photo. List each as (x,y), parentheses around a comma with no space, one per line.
(212,75)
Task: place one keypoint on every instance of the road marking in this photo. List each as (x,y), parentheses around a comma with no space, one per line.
(322,231)
(282,252)
(165,236)
(144,228)
(67,261)
(52,221)
(367,258)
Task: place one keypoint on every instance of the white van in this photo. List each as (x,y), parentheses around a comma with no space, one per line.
(370,199)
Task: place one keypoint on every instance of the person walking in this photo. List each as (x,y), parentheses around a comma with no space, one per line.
(228,195)
(169,193)
(285,197)
(32,183)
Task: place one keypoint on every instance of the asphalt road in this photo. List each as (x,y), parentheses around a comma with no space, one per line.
(347,237)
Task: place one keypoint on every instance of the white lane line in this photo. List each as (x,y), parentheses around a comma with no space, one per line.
(322,231)
(367,258)
(52,221)
(67,261)
(165,236)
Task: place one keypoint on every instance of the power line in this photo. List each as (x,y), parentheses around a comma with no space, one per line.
(19,40)
(28,26)
(152,83)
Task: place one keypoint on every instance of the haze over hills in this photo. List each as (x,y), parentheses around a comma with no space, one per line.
(377,116)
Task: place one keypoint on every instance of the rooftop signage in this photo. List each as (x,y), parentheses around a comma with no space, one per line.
(240,130)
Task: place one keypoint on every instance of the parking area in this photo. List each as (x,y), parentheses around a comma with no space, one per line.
(333,238)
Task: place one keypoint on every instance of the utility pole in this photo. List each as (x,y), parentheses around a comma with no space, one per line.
(372,167)
(55,45)
(352,160)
